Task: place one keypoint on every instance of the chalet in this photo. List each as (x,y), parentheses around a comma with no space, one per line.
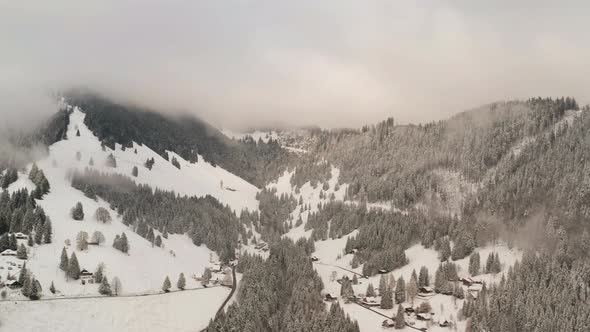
(20,236)
(409,310)
(425,290)
(216,268)
(383,271)
(260,246)
(443,322)
(86,277)
(93,243)
(370,301)
(8,252)
(423,316)
(314,259)
(469,281)
(353,251)
(13,284)
(388,323)
(330,298)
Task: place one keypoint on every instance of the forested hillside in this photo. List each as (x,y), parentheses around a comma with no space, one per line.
(114,123)
(389,162)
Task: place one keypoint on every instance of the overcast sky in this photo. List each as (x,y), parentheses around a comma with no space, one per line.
(331,63)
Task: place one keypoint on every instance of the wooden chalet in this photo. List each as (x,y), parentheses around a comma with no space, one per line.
(13,284)
(8,252)
(425,290)
(423,316)
(388,323)
(330,298)
(86,277)
(370,301)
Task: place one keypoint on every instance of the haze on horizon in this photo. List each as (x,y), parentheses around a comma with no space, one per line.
(333,63)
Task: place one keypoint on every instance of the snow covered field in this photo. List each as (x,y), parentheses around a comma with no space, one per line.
(178,311)
(145,267)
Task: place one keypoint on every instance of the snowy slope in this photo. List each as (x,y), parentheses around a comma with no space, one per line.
(197,179)
(179,311)
(144,269)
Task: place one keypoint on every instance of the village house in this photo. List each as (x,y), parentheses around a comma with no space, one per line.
(370,301)
(13,284)
(20,236)
(216,268)
(8,252)
(314,259)
(425,290)
(423,316)
(388,323)
(330,298)
(86,277)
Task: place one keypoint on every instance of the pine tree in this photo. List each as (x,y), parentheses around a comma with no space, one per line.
(78,212)
(445,250)
(105,287)
(355,280)
(158,241)
(47,232)
(382,285)
(386,299)
(117,287)
(27,285)
(111,161)
(35,291)
(73,267)
(124,243)
(63,264)
(400,322)
(21,253)
(207,274)
(370,291)
(150,236)
(400,291)
(134,171)
(30,241)
(166,286)
(23,274)
(52,288)
(423,278)
(412,288)
(99,273)
(181,282)
(474,264)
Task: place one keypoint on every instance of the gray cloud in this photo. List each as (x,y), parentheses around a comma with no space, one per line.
(332,63)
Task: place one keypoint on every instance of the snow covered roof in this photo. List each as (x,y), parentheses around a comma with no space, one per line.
(85,272)
(8,252)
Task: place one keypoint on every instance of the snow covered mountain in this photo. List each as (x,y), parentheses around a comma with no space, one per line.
(144,268)
(422,226)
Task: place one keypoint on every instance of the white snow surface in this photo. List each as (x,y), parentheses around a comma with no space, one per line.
(178,311)
(145,267)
